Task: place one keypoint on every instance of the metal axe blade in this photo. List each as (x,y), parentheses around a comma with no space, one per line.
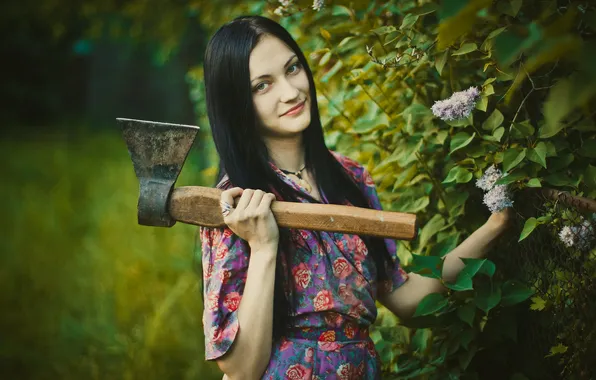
(158,151)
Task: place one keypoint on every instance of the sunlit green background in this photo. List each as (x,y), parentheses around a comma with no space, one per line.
(87,293)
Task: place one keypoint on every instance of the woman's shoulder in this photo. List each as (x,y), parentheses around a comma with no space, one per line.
(352,166)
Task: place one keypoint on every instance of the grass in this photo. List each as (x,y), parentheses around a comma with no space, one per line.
(87,293)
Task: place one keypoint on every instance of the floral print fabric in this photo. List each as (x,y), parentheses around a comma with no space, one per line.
(335,285)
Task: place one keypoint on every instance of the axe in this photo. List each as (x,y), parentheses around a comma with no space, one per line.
(158,151)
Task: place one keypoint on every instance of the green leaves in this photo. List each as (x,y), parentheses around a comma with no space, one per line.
(431,304)
(493,121)
(465,49)
(513,157)
(538,154)
(459,175)
(515,292)
(428,266)
(460,140)
(529,226)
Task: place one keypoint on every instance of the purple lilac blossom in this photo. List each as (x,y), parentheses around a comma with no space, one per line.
(498,198)
(579,236)
(488,179)
(317,5)
(458,106)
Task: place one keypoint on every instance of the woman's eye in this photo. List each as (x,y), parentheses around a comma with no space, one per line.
(261,86)
(296,66)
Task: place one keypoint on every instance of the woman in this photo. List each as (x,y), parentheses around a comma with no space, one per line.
(285,303)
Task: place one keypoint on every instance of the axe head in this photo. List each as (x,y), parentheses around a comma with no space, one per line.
(158,151)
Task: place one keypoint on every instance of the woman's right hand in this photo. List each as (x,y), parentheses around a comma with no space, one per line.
(251,218)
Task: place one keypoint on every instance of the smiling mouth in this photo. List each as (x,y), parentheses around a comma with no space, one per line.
(295,108)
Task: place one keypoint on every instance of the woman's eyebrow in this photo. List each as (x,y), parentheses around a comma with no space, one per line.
(285,65)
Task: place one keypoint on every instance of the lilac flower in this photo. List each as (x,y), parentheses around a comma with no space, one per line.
(488,179)
(279,11)
(285,3)
(317,5)
(498,198)
(579,236)
(458,106)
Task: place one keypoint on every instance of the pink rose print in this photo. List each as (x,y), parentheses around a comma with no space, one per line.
(216,334)
(344,372)
(346,293)
(212,301)
(329,346)
(232,301)
(309,354)
(327,336)
(349,331)
(297,372)
(224,275)
(222,251)
(323,300)
(341,268)
(368,180)
(301,276)
(208,270)
(358,265)
(285,344)
(333,319)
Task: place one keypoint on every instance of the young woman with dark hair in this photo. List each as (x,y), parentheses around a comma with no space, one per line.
(283,303)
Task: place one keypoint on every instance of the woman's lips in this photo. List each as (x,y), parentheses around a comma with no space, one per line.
(296,110)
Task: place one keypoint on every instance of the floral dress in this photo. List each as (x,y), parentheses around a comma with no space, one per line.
(335,285)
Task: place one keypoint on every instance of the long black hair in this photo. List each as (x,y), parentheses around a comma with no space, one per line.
(244,156)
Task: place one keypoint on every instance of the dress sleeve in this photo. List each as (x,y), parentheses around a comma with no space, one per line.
(225,259)
(397,276)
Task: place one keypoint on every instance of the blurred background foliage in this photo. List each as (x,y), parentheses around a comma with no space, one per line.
(87,293)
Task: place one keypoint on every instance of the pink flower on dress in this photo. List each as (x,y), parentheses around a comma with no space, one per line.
(346,293)
(358,265)
(216,334)
(208,270)
(344,372)
(323,300)
(285,344)
(221,252)
(368,180)
(327,336)
(333,319)
(232,301)
(301,276)
(224,275)
(329,346)
(212,301)
(309,354)
(297,372)
(341,268)
(349,331)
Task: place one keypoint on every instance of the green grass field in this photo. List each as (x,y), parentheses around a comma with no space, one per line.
(87,293)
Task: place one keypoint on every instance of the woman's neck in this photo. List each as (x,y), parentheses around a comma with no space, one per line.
(286,154)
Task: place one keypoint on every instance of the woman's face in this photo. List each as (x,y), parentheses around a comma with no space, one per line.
(279,84)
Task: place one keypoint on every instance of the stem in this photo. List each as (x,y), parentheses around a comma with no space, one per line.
(440,190)
(374,100)
(341,112)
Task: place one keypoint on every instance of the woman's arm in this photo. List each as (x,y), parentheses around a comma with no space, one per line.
(404,300)
(249,355)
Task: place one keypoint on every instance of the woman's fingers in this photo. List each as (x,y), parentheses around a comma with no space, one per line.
(255,200)
(244,199)
(227,197)
(266,201)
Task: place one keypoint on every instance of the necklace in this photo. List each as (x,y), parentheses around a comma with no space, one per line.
(301,180)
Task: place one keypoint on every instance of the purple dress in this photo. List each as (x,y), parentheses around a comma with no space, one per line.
(336,287)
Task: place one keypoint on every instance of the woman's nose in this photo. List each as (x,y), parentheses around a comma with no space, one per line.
(289,92)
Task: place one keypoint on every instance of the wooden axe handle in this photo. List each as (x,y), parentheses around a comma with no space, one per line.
(200,206)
